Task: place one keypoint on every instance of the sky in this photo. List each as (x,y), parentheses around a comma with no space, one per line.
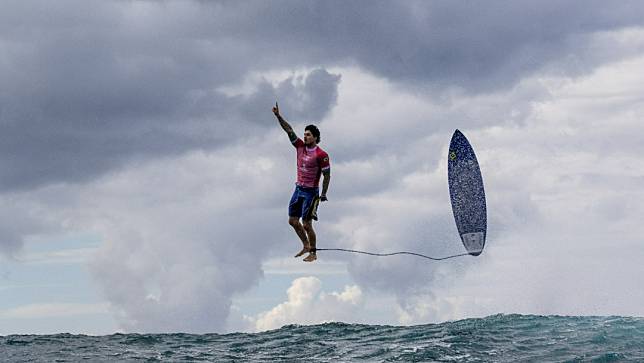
(145,181)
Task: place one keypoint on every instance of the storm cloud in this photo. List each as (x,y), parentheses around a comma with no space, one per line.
(149,123)
(88,86)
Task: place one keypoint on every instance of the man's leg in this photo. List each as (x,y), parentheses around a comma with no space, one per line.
(308,228)
(297,226)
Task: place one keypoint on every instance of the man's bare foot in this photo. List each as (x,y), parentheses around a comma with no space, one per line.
(304,250)
(311,257)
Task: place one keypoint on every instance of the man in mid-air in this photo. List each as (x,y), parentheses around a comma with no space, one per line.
(312,162)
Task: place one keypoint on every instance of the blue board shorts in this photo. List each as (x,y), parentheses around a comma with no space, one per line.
(304,203)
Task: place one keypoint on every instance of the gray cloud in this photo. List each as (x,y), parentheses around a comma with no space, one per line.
(478,46)
(64,147)
(88,86)
(85,94)
(109,101)
(22,216)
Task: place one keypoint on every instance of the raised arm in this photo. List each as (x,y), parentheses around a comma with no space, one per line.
(287,128)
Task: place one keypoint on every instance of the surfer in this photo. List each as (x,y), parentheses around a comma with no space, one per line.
(312,162)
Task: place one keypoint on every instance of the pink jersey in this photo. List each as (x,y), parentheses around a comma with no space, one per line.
(310,164)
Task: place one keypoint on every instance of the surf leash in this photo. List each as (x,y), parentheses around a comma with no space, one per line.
(393,253)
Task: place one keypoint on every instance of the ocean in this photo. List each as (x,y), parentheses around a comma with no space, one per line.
(497,338)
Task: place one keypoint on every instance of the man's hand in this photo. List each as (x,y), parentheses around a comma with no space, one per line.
(276,109)
(323,198)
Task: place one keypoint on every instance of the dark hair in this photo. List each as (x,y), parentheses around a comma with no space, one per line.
(314,130)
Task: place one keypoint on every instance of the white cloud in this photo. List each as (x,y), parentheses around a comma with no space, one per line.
(565,205)
(308,304)
(182,236)
(291,266)
(561,160)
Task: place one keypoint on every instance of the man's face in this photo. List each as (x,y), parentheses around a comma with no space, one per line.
(309,139)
